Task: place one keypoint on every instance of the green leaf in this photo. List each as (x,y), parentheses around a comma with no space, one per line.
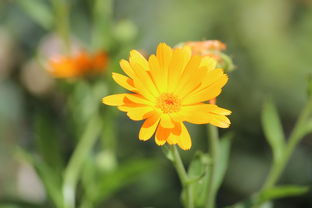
(50,180)
(273,129)
(264,199)
(47,142)
(18,203)
(72,172)
(122,176)
(224,153)
(198,166)
(250,204)
(199,172)
(282,191)
(307,128)
(102,24)
(38,11)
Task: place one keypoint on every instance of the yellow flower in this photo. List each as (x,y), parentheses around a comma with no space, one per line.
(168,89)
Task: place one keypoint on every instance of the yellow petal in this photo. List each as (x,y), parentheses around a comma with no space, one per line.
(221,111)
(180,57)
(191,76)
(210,78)
(136,113)
(194,82)
(220,121)
(143,82)
(114,100)
(161,135)
(205,113)
(175,133)
(157,73)
(136,98)
(163,54)
(172,139)
(149,126)
(208,62)
(184,140)
(137,56)
(160,142)
(207,93)
(166,121)
(124,81)
(127,68)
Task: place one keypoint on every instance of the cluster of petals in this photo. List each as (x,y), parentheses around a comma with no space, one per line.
(207,48)
(170,88)
(77,65)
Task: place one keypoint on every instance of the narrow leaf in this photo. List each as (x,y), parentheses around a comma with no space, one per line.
(199,172)
(50,180)
(125,174)
(273,129)
(224,153)
(282,191)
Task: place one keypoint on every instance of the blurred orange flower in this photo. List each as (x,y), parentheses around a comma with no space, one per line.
(168,89)
(207,48)
(80,64)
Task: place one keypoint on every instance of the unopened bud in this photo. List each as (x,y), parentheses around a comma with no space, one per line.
(213,49)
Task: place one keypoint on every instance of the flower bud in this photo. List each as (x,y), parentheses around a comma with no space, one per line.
(213,49)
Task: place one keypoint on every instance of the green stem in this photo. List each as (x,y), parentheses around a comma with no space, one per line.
(213,141)
(178,164)
(61,22)
(295,137)
(102,20)
(73,170)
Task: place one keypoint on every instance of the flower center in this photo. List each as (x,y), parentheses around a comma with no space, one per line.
(168,103)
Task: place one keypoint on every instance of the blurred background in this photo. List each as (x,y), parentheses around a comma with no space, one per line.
(270,42)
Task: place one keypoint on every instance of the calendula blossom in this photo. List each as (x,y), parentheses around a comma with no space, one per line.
(168,89)
(80,64)
(207,47)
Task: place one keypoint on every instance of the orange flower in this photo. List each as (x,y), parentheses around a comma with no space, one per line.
(168,89)
(77,65)
(207,48)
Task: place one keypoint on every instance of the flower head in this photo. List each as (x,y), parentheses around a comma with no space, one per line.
(206,48)
(168,89)
(77,65)
(213,49)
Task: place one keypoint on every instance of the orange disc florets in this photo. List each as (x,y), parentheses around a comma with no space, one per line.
(168,103)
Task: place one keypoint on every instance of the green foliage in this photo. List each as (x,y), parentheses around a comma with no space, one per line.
(167,152)
(38,11)
(125,174)
(263,199)
(50,179)
(18,204)
(199,171)
(281,192)
(72,172)
(47,141)
(224,155)
(273,129)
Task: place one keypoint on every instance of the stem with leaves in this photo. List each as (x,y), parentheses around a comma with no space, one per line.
(213,141)
(74,168)
(178,164)
(297,134)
